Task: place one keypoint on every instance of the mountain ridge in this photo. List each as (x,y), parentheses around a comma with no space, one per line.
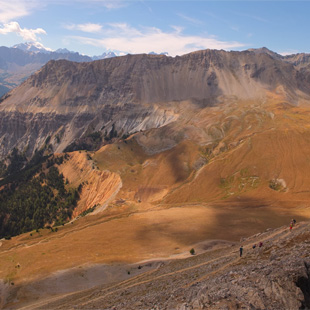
(13,77)
(143,84)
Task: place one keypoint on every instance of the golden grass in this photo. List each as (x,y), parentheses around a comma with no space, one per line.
(214,185)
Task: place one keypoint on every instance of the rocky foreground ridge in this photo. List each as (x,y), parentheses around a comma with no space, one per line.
(66,100)
(275,276)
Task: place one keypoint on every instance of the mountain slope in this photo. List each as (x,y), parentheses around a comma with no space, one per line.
(212,145)
(274,276)
(135,93)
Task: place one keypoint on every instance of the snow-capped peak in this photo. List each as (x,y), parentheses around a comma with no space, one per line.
(105,55)
(35,47)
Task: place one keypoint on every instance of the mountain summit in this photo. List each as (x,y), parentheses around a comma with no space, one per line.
(35,47)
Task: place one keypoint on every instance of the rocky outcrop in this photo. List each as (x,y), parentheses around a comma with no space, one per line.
(28,131)
(97,188)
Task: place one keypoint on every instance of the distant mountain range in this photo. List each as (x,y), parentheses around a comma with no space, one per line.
(36,47)
(17,63)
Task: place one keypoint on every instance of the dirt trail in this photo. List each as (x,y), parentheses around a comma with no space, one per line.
(223,259)
(181,274)
(87,297)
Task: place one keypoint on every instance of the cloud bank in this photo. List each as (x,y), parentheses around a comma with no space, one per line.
(88,27)
(123,37)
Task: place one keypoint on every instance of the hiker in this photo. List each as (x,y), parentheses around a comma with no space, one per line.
(294,221)
(254,246)
(291,227)
(260,244)
(241,250)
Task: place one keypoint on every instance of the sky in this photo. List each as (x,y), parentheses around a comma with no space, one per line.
(92,27)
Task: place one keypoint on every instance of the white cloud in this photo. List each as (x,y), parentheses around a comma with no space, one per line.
(14,9)
(123,37)
(26,34)
(88,27)
(122,29)
(288,52)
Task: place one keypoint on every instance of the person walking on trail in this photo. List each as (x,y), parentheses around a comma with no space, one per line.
(241,250)
(291,226)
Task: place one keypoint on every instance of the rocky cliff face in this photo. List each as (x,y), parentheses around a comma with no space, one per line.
(66,100)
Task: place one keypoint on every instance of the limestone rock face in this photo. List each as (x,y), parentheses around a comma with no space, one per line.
(67,100)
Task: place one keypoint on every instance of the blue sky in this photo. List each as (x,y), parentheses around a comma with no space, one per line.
(92,27)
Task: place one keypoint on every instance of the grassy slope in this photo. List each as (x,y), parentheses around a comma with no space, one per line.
(213,186)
